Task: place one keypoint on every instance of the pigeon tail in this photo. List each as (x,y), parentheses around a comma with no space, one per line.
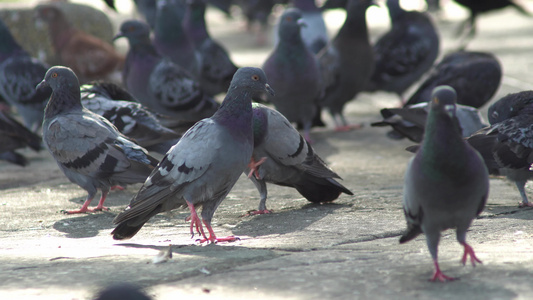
(412,232)
(319,190)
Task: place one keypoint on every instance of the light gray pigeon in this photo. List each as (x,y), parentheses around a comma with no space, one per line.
(87,147)
(203,166)
(446,182)
(290,160)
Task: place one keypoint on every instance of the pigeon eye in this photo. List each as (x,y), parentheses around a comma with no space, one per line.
(54,75)
(255,77)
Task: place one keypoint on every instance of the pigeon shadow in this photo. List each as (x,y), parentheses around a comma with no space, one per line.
(287,221)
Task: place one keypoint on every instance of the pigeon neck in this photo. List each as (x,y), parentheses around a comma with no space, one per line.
(259,124)
(194,24)
(236,110)
(395,10)
(142,45)
(63,100)
(442,136)
(355,24)
(169,25)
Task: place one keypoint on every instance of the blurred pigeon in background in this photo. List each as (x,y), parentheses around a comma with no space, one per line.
(13,136)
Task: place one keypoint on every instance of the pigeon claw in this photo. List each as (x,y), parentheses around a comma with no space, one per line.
(254,167)
(348,127)
(438,275)
(469,251)
(525,204)
(257,212)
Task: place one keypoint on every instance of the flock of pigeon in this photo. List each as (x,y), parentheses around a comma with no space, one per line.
(101,133)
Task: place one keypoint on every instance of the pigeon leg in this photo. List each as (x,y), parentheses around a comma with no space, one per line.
(261,187)
(117,187)
(212,237)
(195,221)
(521,185)
(438,275)
(345,126)
(253,166)
(469,251)
(85,207)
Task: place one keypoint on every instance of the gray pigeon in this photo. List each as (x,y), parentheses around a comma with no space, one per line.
(159,84)
(291,161)
(446,182)
(87,147)
(294,74)
(19,74)
(347,62)
(130,118)
(203,166)
(13,136)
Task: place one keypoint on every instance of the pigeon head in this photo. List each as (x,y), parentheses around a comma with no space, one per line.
(290,23)
(60,77)
(443,99)
(511,106)
(135,31)
(251,79)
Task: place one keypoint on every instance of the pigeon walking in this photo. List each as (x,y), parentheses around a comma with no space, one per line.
(347,62)
(19,74)
(294,74)
(446,182)
(203,166)
(89,150)
(159,84)
(290,160)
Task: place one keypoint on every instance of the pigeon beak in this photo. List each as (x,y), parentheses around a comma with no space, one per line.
(118,36)
(43,84)
(302,23)
(269,90)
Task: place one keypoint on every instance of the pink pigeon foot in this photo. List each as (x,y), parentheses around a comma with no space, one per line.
(469,251)
(438,275)
(348,127)
(117,187)
(253,166)
(212,237)
(85,207)
(195,221)
(525,204)
(258,212)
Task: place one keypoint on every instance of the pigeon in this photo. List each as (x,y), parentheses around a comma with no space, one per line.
(476,7)
(19,74)
(159,84)
(89,150)
(130,118)
(507,145)
(121,291)
(203,166)
(446,182)
(410,121)
(347,62)
(291,161)
(257,12)
(475,76)
(216,66)
(13,136)
(293,72)
(315,34)
(333,4)
(405,52)
(88,56)
(170,39)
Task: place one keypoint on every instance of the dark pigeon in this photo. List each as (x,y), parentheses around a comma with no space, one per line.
(13,136)
(203,166)
(475,76)
(216,66)
(291,161)
(122,291)
(87,148)
(170,38)
(446,182)
(130,118)
(147,8)
(507,145)
(333,4)
(405,52)
(19,74)
(159,84)
(294,74)
(347,62)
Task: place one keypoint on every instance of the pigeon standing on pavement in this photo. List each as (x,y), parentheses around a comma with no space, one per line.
(130,118)
(294,74)
(507,145)
(159,84)
(171,40)
(405,52)
(89,150)
(446,182)
(216,66)
(291,161)
(315,34)
(203,166)
(13,136)
(19,74)
(347,62)
(88,56)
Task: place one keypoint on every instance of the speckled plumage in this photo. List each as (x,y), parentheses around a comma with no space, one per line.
(89,150)
(203,166)
(446,182)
